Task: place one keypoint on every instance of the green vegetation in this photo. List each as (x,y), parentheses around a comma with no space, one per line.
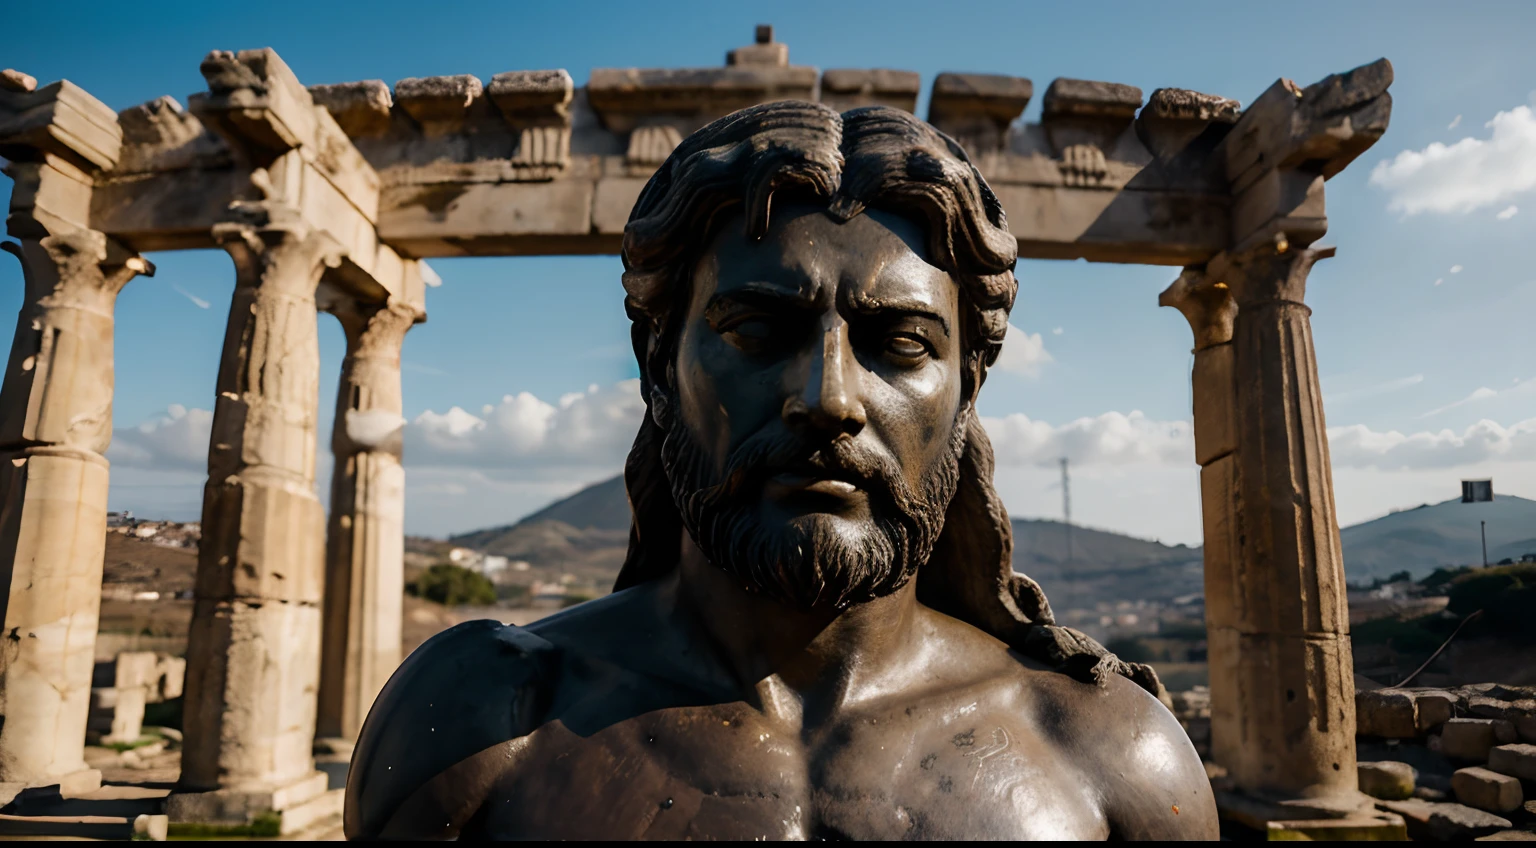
(452,585)
(262,825)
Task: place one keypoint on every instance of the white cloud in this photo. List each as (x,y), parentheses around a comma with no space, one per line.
(1455,269)
(177,441)
(1058,331)
(584,429)
(1023,353)
(1455,122)
(1360,447)
(1468,175)
(196,301)
(1509,211)
(1439,281)
(1109,439)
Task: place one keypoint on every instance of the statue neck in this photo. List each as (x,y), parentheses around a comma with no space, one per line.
(821,660)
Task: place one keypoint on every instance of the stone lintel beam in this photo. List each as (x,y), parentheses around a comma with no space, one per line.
(689,98)
(59,119)
(976,109)
(440,105)
(262,112)
(361,109)
(576,216)
(1321,128)
(847,88)
(1175,117)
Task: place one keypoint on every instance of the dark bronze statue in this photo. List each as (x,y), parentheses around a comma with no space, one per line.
(817,632)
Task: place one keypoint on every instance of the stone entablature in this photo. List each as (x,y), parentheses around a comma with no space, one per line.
(527,163)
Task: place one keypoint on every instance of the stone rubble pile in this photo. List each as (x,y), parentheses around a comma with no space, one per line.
(1456,764)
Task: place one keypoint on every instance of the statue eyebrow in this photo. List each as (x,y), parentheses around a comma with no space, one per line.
(895,307)
(766,295)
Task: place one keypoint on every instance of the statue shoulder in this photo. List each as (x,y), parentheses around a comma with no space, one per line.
(1153,782)
(463,691)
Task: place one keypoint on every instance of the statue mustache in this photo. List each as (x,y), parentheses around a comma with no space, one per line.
(762,456)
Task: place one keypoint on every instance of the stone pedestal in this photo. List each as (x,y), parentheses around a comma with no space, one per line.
(1282,687)
(55,424)
(365,542)
(254,646)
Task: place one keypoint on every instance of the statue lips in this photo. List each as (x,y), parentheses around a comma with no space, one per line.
(822,481)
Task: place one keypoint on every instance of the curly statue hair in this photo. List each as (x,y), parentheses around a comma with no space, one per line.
(873,157)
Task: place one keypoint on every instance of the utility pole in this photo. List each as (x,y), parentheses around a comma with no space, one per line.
(1483,525)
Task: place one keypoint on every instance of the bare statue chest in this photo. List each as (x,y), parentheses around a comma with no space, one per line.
(727,772)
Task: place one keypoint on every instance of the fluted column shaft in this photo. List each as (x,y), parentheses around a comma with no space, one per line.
(55,426)
(1289,633)
(254,646)
(365,540)
(1282,686)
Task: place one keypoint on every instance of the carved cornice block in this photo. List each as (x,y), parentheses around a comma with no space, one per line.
(976,109)
(625,98)
(845,88)
(1091,99)
(536,105)
(255,103)
(1174,117)
(440,105)
(1081,114)
(524,95)
(59,119)
(361,109)
(1327,124)
(650,146)
(161,136)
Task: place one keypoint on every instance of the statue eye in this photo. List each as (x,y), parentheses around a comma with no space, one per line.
(755,329)
(906,347)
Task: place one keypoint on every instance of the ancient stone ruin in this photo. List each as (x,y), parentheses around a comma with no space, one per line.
(328,199)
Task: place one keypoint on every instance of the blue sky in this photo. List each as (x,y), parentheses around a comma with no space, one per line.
(1448,366)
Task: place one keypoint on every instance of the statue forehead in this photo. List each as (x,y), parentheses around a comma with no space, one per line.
(805,244)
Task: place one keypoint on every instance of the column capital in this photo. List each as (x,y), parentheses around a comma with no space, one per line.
(262,235)
(1268,272)
(1206,303)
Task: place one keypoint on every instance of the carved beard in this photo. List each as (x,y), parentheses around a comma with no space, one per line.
(813,559)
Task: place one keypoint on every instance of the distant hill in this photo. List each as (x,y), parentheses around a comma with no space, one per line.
(588,532)
(1422,539)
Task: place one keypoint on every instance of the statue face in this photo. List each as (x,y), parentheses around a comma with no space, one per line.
(817,394)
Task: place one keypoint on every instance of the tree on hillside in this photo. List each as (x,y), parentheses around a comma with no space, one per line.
(452,585)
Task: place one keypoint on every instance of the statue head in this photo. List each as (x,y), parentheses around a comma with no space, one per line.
(815,301)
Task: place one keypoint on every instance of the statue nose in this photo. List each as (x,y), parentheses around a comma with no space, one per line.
(829,401)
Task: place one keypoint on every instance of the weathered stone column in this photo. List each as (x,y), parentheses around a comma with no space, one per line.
(253,650)
(365,540)
(1282,686)
(55,425)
